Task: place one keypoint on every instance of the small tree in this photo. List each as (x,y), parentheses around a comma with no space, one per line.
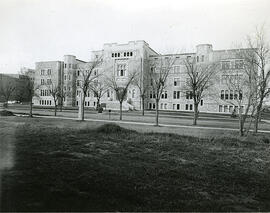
(31,90)
(121,87)
(142,85)
(200,79)
(258,56)
(87,76)
(241,90)
(55,92)
(7,88)
(99,88)
(158,75)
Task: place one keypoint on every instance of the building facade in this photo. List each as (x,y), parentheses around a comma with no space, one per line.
(119,60)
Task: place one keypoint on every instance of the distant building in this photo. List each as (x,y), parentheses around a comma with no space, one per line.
(123,58)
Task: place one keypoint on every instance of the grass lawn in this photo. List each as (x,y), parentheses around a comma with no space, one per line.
(109,168)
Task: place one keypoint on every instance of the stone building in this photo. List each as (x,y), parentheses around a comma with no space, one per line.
(137,56)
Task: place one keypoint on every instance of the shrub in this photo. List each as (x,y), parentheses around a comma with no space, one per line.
(112,128)
(6,113)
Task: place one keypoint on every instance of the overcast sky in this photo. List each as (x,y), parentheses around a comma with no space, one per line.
(42,30)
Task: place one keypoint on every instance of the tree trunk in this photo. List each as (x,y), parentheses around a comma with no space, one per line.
(83,100)
(241,125)
(157,112)
(55,108)
(98,103)
(120,110)
(257,118)
(31,109)
(195,114)
(142,106)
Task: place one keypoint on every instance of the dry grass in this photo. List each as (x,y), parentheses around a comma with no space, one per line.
(114,169)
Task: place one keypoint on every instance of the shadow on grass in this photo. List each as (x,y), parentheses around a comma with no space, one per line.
(115,169)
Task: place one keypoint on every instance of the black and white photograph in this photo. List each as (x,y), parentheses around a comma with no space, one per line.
(135,106)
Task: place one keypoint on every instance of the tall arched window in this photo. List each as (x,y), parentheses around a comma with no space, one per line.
(226,95)
(222,95)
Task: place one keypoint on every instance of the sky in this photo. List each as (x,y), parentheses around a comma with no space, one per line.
(46,30)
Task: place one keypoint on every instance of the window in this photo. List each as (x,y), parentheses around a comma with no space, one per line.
(118,54)
(189,95)
(176,82)
(42,82)
(112,54)
(42,72)
(108,93)
(49,81)
(161,106)
(69,88)
(173,106)
(150,105)
(133,93)
(78,83)
(178,106)
(226,95)
(240,95)
(154,106)
(165,106)
(176,94)
(198,59)
(131,53)
(202,58)
(65,77)
(127,53)
(239,64)
(78,73)
(231,109)
(77,103)
(121,69)
(222,95)
(231,94)
(235,95)
(225,65)
(225,108)
(190,107)
(69,77)
(65,65)
(220,108)
(49,72)
(201,102)
(186,106)
(150,95)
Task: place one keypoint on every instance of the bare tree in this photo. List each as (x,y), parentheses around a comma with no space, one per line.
(158,75)
(55,92)
(121,87)
(7,88)
(99,88)
(86,77)
(241,90)
(141,83)
(201,77)
(31,90)
(258,56)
